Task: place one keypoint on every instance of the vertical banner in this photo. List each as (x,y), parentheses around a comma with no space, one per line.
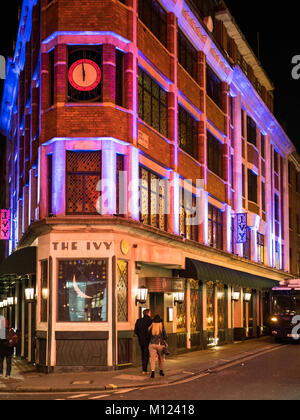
(5,225)
(241,228)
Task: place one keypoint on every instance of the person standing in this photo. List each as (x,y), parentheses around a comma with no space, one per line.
(7,350)
(157,344)
(142,331)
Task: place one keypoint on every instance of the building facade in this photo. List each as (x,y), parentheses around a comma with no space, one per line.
(143,156)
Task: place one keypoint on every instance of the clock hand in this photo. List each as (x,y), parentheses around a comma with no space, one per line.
(83,72)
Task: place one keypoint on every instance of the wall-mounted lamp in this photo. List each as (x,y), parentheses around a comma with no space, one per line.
(236,296)
(45,293)
(179,298)
(5,303)
(142,294)
(247,297)
(10,301)
(29,295)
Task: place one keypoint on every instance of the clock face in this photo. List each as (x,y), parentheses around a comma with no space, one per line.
(84,75)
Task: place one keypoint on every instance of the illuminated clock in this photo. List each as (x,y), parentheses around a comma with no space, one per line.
(84,75)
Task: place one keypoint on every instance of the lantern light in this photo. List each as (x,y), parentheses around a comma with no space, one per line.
(236,296)
(142,295)
(247,297)
(45,293)
(10,301)
(29,294)
(179,298)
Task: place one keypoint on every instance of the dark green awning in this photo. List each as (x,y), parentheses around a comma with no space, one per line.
(20,263)
(206,272)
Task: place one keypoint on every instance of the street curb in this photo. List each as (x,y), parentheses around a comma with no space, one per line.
(111,387)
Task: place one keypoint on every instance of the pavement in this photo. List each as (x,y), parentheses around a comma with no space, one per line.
(179,368)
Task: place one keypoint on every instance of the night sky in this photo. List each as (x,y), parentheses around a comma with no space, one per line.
(279,42)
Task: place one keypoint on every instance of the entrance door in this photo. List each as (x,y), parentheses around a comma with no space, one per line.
(157,304)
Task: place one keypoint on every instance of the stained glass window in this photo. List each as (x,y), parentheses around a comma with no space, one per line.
(210,292)
(82,290)
(122,270)
(44,286)
(153,199)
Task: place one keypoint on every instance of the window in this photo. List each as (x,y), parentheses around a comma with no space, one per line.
(214,87)
(155,18)
(188,213)
(277,255)
(83,175)
(187,132)
(214,155)
(82,290)
(51,78)
(122,272)
(263,196)
(187,55)
(119,78)
(276,162)
(153,103)
(244,180)
(121,187)
(251,131)
(49,176)
(276,207)
(247,246)
(298,264)
(252,186)
(261,248)
(262,146)
(153,200)
(215,227)
(44,290)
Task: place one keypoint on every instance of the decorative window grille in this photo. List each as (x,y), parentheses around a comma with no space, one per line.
(83,175)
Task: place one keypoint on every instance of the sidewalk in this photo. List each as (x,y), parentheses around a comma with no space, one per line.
(177,368)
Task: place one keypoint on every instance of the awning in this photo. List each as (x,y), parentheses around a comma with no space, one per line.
(206,272)
(20,263)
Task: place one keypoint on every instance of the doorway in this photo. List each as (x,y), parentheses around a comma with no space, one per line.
(157,304)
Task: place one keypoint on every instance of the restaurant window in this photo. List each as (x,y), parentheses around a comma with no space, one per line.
(155,18)
(44,290)
(187,132)
(210,293)
(261,248)
(195,319)
(221,292)
(187,55)
(153,103)
(153,200)
(188,216)
(83,176)
(251,131)
(214,87)
(122,288)
(252,186)
(82,290)
(215,227)
(214,155)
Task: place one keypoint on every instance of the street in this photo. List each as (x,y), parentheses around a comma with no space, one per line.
(272,375)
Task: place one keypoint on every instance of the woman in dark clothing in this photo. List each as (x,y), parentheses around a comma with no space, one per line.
(158,339)
(7,351)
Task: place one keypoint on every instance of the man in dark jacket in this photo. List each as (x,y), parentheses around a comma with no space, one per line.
(7,351)
(142,331)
